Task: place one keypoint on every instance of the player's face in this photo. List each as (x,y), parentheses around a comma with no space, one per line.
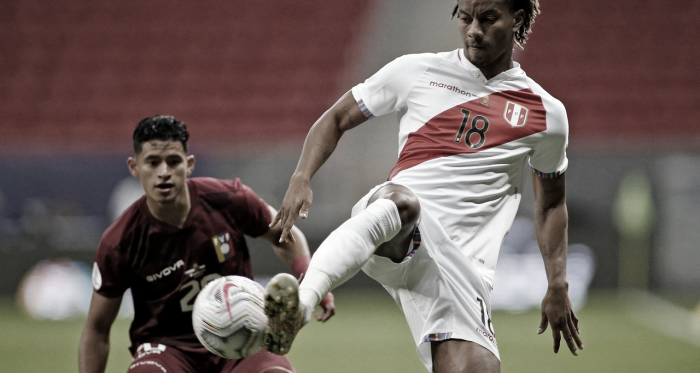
(162,167)
(487,28)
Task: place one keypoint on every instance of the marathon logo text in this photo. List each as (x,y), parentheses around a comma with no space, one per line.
(452,88)
(487,335)
(166,271)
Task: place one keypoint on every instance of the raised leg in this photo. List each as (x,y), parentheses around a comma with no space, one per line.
(409,211)
(384,228)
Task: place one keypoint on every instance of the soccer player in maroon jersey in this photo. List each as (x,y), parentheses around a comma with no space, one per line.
(166,247)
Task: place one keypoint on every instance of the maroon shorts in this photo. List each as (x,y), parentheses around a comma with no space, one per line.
(158,358)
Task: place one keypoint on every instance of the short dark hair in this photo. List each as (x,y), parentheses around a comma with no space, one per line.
(531,9)
(160,127)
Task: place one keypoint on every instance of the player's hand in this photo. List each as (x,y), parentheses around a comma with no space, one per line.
(328,306)
(557,312)
(296,202)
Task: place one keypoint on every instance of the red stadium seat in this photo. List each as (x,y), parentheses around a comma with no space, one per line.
(85,72)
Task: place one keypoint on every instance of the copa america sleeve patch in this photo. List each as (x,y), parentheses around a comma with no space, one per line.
(96,277)
(547,175)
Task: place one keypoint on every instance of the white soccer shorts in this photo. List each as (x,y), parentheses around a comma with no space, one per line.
(438,288)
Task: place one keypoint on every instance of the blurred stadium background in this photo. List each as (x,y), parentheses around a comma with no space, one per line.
(250,78)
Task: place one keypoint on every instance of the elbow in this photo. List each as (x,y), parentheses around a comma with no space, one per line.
(330,121)
(555,213)
(555,205)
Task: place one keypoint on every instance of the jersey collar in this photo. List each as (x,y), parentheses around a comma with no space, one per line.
(510,73)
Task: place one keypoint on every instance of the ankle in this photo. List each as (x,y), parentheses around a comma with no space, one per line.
(308,299)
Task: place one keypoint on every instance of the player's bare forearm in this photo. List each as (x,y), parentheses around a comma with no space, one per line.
(93,351)
(288,250)
(552,238)
(94,342)
(320,143)
(551,225)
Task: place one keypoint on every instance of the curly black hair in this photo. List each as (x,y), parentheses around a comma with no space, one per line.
(531,9)
(160,127)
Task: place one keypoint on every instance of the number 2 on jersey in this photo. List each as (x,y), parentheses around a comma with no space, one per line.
(473,129)
(187,302)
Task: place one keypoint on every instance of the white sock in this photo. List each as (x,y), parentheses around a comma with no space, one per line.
(346,250)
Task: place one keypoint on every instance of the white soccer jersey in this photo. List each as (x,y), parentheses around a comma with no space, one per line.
(464,142)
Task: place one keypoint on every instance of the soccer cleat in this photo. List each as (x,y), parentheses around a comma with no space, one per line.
(284,313)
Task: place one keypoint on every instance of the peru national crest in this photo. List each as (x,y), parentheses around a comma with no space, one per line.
(515,115)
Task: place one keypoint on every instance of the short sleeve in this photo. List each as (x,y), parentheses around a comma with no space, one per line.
(257,218)
(386,91)
(548,157)
(108,271)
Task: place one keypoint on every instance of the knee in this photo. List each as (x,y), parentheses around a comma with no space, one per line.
(406,202)
(409,208)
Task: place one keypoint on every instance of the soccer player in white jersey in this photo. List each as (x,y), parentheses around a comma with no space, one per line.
(473,124)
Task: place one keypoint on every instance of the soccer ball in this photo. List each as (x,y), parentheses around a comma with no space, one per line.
(229,317)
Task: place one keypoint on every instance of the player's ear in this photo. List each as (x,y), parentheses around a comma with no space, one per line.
(190,164)
(518,20)
(131,163)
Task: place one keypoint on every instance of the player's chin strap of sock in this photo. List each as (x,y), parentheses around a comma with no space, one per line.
(346,250)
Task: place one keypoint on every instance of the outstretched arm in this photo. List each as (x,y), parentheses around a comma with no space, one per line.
(296,255)
(551,224)
(94,343)
(318,146)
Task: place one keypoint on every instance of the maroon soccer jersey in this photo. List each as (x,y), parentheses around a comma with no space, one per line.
(166,266)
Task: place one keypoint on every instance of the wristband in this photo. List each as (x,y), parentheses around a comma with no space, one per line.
(329,298)
(300,265)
